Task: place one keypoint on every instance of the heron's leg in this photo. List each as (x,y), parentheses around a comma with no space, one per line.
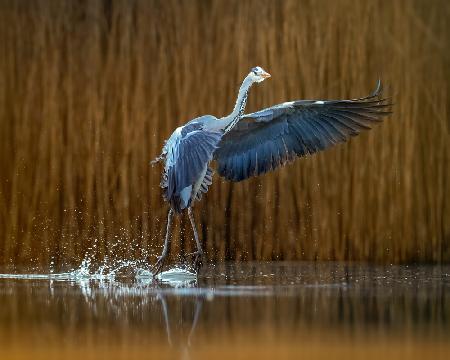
(199,253)
(161,259)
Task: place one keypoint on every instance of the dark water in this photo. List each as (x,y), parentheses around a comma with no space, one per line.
(230,310)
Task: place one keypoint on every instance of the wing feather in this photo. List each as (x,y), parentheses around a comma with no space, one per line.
(190,150)
(266,139)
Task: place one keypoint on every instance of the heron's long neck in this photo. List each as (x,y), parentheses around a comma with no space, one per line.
(231,120)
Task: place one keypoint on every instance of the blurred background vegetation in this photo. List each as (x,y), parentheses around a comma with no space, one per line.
(90,89)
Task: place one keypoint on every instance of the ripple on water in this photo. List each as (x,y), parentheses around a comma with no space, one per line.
(112,271)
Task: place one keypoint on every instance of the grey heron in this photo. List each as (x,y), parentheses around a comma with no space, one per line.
(253,144)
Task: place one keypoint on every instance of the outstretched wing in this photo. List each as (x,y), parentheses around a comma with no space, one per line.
(266,139)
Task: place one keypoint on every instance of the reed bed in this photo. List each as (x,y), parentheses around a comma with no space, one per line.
(89,91)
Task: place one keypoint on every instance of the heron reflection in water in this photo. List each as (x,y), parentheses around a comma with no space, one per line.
(176,284)
(253,144)
(198,303)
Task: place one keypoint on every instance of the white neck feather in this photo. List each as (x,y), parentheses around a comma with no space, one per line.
(229,121)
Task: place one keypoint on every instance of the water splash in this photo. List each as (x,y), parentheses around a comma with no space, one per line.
(177,276)
(113,271)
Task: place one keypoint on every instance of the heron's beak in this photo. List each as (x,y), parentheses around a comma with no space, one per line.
(265,75)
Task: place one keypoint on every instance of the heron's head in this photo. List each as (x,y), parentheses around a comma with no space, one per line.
(258,74)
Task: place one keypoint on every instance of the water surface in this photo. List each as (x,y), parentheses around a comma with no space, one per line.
(288,310)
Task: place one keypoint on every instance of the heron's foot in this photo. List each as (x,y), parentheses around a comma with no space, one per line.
(198,260)
(156,269)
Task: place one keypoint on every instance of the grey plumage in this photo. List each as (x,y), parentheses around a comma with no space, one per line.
(264,140)
(253,144)
(193,146)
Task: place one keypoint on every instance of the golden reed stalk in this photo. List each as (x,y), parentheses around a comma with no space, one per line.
(89,91)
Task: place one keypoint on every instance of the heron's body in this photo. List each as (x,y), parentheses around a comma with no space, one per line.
(189,150)
(253,144)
